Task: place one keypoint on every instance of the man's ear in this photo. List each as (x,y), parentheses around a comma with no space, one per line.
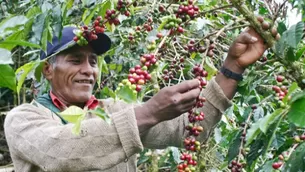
(47,70)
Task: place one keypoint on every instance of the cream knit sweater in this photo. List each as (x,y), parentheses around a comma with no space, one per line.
(38,141)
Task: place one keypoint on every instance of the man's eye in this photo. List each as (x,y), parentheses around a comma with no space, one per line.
(93,62)
(75,61)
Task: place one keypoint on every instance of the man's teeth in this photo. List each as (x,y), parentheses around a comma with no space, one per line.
(84,81)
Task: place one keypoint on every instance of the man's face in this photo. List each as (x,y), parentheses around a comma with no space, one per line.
(74,74)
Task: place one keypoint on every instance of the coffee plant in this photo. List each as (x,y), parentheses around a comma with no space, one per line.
(161,43)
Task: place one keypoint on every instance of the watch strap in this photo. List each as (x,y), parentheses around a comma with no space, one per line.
(228,73)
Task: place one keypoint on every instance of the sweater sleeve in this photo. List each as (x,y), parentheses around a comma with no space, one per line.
(171,133)
(36,137)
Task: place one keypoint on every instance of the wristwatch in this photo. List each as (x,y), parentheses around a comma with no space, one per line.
(228,73)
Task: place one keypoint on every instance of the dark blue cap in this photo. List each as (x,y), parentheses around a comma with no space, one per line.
(101,45)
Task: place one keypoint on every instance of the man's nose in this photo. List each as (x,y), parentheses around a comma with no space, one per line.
(86,67)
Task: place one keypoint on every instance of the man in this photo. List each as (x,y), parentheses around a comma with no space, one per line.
(40,140)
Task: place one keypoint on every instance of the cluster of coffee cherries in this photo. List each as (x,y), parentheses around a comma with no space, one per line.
(194,117)
(140,31)
(148,60)
(281,91)
(89,33)
(285,155)
(172,23)
(192,47)
(148,25)
(98,25)
(174,66)
(235,166)
(198,71)
(139,75)
(122,7)
(112,17)
(190,162)
(281,158)
(191,145)
(187,10)
(84,34)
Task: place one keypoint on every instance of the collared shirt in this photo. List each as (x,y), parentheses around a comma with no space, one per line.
(91,103)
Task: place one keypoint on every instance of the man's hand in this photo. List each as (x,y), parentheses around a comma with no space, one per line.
(247,48)
(169,103)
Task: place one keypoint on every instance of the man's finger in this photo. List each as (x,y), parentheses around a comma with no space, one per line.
(246,38)
(190,95)
(188,106)
(186,86)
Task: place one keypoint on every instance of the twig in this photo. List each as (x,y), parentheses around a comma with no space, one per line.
(249,15)
(268,7)
(243,138)
(275,16)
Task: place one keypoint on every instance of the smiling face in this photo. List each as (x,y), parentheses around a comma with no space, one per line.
(73,75)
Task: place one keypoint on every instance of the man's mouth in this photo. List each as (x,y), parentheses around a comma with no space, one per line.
(85,81)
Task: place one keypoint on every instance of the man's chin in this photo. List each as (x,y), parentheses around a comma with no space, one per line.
(83,98)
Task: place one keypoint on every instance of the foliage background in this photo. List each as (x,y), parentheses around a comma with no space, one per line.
(27,25)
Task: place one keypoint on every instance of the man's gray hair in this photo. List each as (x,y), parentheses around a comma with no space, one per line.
(52,60)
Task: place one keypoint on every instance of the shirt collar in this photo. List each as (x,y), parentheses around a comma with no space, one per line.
(90,104)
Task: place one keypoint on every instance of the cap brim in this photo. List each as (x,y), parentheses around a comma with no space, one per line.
(99,46)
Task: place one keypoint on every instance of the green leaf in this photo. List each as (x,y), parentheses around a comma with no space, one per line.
(261,126)
(33,12)
(44,39)
(72,114)
(268,120)
(57,17)
(26,32)
(176,154)
(263,11)
(290,54)
(125,93)
(38,26)
(104,6)
(278,141)
(76,128)
(102,66)
(90,16)
(112,66)
(255,150)
(18,42)
(210,68)
(281,28)
(295,34)
(234,147)
(12,22)
(38,71)
(296,113)
(267,167)
(110,27)
(300,52)
(19,35)
(5,56)
(296,162)
(22,72)
(107,92)
(70,4)
(100,112)
(293,87)
(7,77)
